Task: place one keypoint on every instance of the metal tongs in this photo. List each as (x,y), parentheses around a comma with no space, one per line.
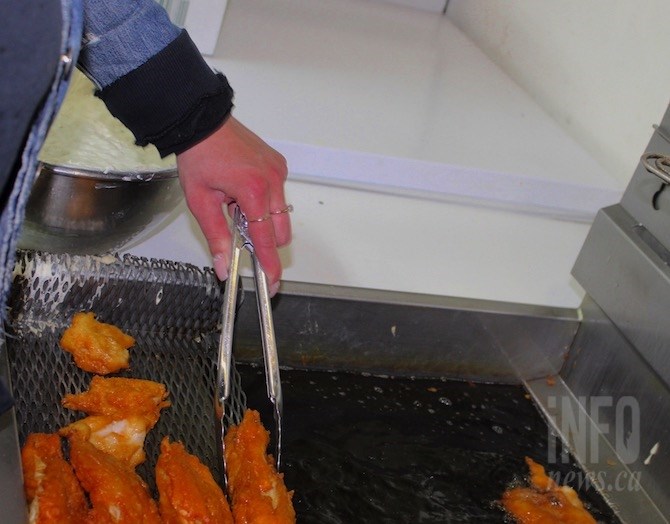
(241,240)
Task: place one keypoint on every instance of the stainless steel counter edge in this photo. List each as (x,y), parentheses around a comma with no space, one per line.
(404,334)
(420,299)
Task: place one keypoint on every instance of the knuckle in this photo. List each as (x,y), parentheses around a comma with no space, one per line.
(257,186)
(281,163)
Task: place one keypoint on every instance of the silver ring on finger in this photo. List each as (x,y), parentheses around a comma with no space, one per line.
(287,209)
(259,219)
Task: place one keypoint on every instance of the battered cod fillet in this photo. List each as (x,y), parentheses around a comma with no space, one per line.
(120,398)
(117,494)
(544,501)
(122,411)
(51,488)
(188,493)
(95,346)
(124,439)
(257,491)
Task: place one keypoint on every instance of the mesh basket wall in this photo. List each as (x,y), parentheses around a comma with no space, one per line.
(173,311)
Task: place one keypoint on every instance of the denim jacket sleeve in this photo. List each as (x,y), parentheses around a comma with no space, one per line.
(151,75)
(121,35)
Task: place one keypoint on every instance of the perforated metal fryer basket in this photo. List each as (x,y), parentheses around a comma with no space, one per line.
(173,311)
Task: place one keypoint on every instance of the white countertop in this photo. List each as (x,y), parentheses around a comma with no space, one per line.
(415,163)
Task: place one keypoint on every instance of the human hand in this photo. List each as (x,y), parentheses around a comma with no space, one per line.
(234,167)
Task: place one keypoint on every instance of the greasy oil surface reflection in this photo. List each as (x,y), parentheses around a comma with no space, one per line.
(361,448)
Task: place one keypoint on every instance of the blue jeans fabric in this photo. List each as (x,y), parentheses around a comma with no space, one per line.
(13,212)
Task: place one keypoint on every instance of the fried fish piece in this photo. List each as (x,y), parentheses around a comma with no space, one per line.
(188,493)
(117,494)
(124,439)
(257,491)
(119,398)
(51,488)
(122,411)
(95,346)
(544,501)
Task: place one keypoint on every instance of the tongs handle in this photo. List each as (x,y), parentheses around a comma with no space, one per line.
(270,357)
(228,320)
(225,364)
(242,240)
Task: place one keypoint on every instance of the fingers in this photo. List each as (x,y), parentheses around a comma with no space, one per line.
(281,220)
(233,164)
(206,207)
(265,248)
(268,227)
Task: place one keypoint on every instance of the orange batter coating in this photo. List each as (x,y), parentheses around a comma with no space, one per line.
(122,411)
(544,501)
(124,439)
(52,490)
(256,489)
(188,493)
(95,346)
(120,398)
(117,494)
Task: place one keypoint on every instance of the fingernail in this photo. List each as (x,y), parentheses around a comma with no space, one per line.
(274,288)
(221,266)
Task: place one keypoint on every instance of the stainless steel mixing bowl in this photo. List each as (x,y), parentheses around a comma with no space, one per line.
(82,211)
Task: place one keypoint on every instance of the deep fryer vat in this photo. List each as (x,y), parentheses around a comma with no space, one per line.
(366,438)
(364,448)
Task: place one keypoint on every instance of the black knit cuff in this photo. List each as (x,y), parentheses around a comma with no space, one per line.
(174,100)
